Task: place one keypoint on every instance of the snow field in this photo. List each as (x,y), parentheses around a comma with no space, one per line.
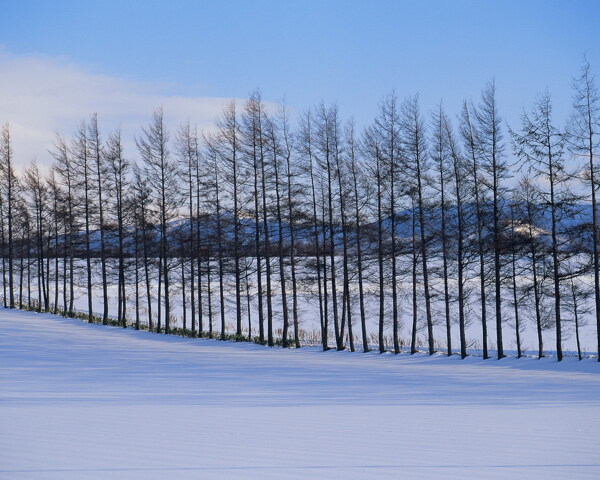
(82,401)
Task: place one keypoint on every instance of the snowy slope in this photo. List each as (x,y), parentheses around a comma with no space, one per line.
(81,401)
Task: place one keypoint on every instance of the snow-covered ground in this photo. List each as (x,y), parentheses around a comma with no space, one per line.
(308,310)
(80,401)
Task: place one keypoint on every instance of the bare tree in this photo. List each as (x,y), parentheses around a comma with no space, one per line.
(56,197)
(528,199)
(540,145)
(516,246)
(357,177)
(253,145)
(491,149)
(373,152)
(326,141)
(387,123)
(187,149)
(584,142)
(276,149)
(292,193)
(141,201)
(99,170)
(577,302)
(307,152)
(460,176)
(83,169)
(9,182)
(153,148)
(470,138)
(37,194)
(440,154)
(214,187)
(65,168)
(416,164)
(228,146)
(119,168)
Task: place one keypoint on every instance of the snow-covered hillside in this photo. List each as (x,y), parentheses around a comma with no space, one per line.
(80,401)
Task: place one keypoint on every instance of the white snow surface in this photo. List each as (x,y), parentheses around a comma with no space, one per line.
(80,401)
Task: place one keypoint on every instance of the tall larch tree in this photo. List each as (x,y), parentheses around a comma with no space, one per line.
(416,161)
(540,145)
(584,142)
(492,148)
(154,150)
(9,183)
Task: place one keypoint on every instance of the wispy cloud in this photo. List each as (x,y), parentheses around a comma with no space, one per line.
(40,95)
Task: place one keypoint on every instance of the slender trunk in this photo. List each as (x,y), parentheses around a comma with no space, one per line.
(461,294)
(21,273)
(445,256)
(159,293)
(192,277)
(413,341)
(122,295)
(350,328)
(28,268)
(324,250)
(336,326)
(164,242)
(166,276)
(47,290)
(536,287)
(71,259)
(136,245)
(458,181)
(199,251)
(146,266)
(380,254)
(236,242)
(514,288)
(42,270)
(361,293)
(56,256)
(472,148)
(423,249)
(40,263)
(183,292)
(595,225)
(576,318)
(555,265)
(2,251)
(220,254)
(346,279)
(209,295)
(324,331)
(88,250)
(395,313)
(193,245)
(248,298)
(102,244)
(9,201)
(267,251)
(282,278)
(292,254)
(257,245)
(498,282)
(65,257)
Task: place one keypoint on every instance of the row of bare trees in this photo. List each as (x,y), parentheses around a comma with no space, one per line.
(412,225)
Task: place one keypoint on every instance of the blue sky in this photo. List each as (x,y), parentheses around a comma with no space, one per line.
(351,52)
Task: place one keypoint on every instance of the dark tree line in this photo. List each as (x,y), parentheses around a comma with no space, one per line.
(419,222)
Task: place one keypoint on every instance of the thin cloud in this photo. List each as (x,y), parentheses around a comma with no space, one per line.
(40,95)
